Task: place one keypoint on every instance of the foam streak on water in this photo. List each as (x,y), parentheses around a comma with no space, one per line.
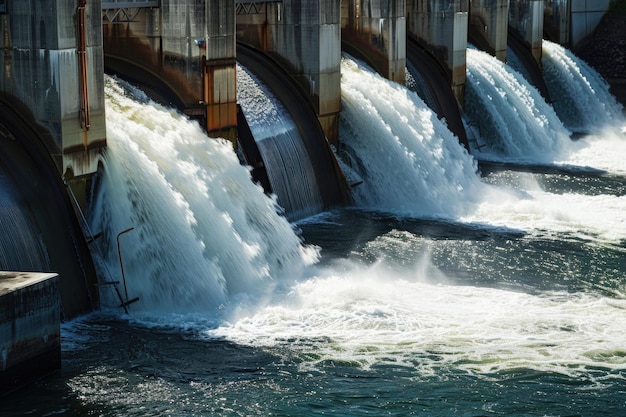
(378,317)
(407,159)
(516,124)
(203,231)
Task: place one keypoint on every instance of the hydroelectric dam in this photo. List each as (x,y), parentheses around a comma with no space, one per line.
(270,79)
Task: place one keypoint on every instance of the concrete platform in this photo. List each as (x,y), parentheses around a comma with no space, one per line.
(30,340)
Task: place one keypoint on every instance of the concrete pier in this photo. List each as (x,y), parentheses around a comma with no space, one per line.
(30,341)
(183,51)
(51,63)
(526,22)
(306,40)
(568,22)
(441,28)
(378,32)
(488,26)
(556,21)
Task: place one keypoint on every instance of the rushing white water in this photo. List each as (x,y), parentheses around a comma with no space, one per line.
(410,162)
(583,101)
(581,96)
(287,161)
(204,233)
(602,150)
(407,158)
(515,122)
(598,218)
(379,317)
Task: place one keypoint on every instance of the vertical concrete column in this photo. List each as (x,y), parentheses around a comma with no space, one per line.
(488,26)
(199,59)
(306,37)
(556,21)
(53,64)
(377,29)
(526,20)
(220,68)
(441,28)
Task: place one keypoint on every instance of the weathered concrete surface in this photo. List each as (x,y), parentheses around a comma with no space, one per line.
(586,15)
(441,28)
(377,30)
(488,26)
(526,22)
(556,21)
(41,68)
(30,341)
(33,187)
(183,51)
(305,38)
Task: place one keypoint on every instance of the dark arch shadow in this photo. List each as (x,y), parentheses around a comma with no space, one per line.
(150,82)
(441,98)
(329,177)
(31,159)
(523,52)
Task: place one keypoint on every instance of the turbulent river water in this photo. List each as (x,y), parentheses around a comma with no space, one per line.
(490,283)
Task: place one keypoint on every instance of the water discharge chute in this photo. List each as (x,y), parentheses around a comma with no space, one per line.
(21,245)
(515,121)
(286,160)
(581,96)
(406,157)
(426,76)
(204,233)
(305,174)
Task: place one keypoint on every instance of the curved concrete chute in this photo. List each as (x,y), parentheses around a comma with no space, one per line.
(377,63)
(156,87)
(251,154)
(439,95)
(330,180)
(40,196)
(532,69)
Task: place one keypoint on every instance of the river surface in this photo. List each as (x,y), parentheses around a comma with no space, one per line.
(502,293)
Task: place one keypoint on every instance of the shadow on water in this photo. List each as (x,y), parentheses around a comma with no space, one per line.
(111,367)
(558,179)
(487,167)
(339,233)
(469,254)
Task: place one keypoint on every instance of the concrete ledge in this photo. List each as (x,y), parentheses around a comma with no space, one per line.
(30,341)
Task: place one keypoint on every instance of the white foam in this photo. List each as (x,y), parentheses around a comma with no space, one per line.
(407,159)
(581,96)
(203,231)
(515,122)
(374,316)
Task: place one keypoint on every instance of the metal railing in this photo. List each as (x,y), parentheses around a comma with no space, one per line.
(125,4)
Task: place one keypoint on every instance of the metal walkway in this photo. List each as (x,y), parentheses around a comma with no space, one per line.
(127,4)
